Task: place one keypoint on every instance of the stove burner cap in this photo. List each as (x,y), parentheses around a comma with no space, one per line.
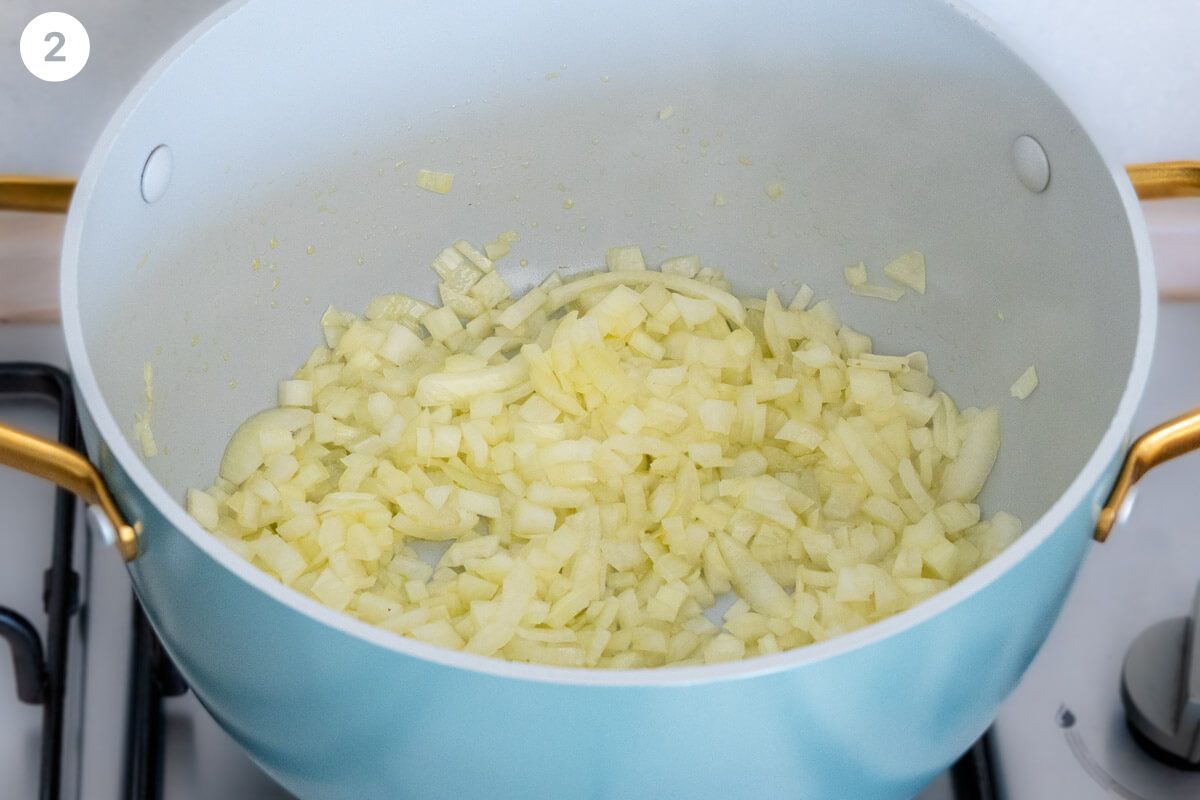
(1160,687)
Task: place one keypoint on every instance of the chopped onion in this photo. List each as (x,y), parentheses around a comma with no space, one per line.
(802,298)
(142,422)
(244,453)
(605,456)
(888,293)
(1024,385)
(963,477)
(296,393)
(437,182)
(624,258)
(497,249)
(908,270)
(856,275)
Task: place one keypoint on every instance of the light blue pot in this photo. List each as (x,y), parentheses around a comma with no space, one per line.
(330,715)
(891,127)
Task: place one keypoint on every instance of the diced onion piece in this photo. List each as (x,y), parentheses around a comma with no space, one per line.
(800,433)
(437,182)
(502,243)
(964,477)
(244,454)
(334,324)
(452,265)
(856,275)
(802,298)
(530,519)
(490,290)
(296,393)
(758,587)
(442,323)
(478,503)
(496,250)
(687,266)
(458,388)
(877,362)
(880,292)
(523,309)
(868,466)
(280,557)
(1024,385)
(481,261)
(996,534)
(142,422)
(203,508)
(908,269)
(401,345)
(717,416)
(693,311)
(145,436)
(624,259)
(724,647)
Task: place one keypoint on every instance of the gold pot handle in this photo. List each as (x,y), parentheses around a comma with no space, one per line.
(35,193)
(70,470)
(1180,435)
(1165,179)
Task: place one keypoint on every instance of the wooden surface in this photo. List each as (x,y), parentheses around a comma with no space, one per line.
(29,250)
(1175,233)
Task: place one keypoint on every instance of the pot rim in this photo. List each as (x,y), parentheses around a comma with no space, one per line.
(1088,486)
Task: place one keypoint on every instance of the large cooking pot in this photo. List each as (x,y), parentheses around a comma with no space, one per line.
(286,135)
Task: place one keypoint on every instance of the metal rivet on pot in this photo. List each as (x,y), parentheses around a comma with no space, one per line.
(1031,164)
(156,173)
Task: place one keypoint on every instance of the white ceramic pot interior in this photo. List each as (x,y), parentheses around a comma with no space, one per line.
(296,129)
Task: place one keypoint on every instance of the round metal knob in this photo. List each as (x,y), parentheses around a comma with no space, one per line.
(1160,686)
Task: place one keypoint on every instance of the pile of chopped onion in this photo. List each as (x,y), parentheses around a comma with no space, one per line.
(603,460)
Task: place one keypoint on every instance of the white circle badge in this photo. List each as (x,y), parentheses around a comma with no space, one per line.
(55,46)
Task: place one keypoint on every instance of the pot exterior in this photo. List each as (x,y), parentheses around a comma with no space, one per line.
(332,716)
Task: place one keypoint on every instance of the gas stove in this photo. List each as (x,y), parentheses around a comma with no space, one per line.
(1063,733)
(90,706)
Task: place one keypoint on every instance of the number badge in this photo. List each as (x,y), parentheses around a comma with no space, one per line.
(55,46)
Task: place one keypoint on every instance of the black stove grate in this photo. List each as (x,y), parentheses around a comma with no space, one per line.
(972,776)
(41,672)
(153,678)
